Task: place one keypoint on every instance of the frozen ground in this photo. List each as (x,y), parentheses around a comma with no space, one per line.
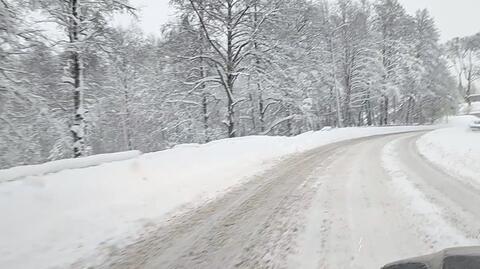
(82,215)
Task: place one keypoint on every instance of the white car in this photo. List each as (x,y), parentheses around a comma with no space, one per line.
(475,126)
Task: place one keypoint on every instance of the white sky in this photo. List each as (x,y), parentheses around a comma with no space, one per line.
(152,14)
(453,17)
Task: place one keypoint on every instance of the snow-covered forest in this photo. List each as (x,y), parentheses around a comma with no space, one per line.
(221,69)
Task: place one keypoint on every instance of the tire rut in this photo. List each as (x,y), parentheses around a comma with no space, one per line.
(252,226)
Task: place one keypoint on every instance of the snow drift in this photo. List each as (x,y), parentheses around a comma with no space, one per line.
(57,166)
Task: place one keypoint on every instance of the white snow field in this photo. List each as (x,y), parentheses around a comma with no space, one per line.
(54,220)
(455,149)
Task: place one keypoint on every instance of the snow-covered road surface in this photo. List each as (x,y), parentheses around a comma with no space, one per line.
(354,204)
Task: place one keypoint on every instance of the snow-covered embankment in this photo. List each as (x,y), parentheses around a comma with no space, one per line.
(456,149)
(60,165)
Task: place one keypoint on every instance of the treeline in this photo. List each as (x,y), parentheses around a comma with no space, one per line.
(222,69)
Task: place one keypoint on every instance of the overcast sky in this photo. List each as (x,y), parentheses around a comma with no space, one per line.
(454,17)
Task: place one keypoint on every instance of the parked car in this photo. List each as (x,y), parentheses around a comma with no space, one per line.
(475,126)
(453,258)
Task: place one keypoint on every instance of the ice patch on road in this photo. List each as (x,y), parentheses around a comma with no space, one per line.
(434,229)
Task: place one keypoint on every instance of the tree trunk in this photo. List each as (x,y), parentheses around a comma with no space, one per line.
(261,109)
(230,117)
(384,111)
(289,124)
(78,126)
(368,108)
(230,77)
(204,74)
(394,114)
(335,88)
(252,112)
(126,119)
(469,86)
(385,118)
(408,114)
(261,105)
(205,117)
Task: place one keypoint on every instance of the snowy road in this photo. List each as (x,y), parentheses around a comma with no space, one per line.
(355,204)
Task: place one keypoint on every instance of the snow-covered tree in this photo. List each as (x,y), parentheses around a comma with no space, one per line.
(220,69)
(84,24)
(464,56)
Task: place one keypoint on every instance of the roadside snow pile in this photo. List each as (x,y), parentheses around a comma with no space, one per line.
(427,216)
(56,219)
(473,108)
(456,149)
(57,166)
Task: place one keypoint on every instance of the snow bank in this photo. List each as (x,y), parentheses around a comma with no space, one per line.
(473,108)
(57,166)
(459,121)
(427,216)
(456,149)
(56,219)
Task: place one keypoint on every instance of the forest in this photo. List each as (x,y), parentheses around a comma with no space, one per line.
(74,84)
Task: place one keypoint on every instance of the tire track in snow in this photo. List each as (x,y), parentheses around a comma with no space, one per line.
(252,226)
(353,221)
(431,219)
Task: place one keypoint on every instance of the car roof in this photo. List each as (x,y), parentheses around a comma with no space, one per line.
(435,261)
(463,251)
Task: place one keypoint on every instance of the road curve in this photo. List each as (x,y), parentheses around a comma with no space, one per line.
(333,207)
